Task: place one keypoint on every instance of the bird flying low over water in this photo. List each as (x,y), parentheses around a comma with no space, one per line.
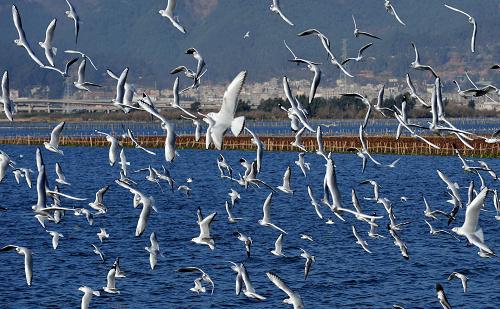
(225,119)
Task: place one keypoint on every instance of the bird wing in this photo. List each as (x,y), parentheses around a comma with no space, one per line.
(267,207)
(81,71)
(205,225)
(230,99)
(280,284)
(472,212)
(56,133)
(170,7)
(457,10)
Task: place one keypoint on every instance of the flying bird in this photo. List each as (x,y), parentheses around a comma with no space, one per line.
(472,21)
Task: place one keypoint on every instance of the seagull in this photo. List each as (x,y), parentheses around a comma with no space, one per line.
(102,234)
(462,278)
(28,260)
(470,228)
(442,296)
(110,285)
(380,100)
(235,197)
(357,32)
(365,101)
(313,67)
(87,296)
(153,250)
(97,250)
(309,260)
(61,179)
(246,239)
(242,277)
(130,134)
(55,238)
(123,162)
(64,73)
(73,15)
(53,144)
(416,63)
(303,165)
(147,205)
(294,110)
(120,97)
(390,9)
(413,92)
(50,51)
(224,166)
(373,229)
(314,203)
(360,241)
(319,141)
(293,298)
(83,55)
(286,182)
(204,276)
(113,148)
(22,41)
(200,66)
(128,90)
(326,45)
(360,54)
(230,217)
(8,105)
(432,213)
(398,242)
(260,148)
(197,125)
(81,83)
(434,231)
(169,13)
(225,119)
(198,287)
(472,21)
(298,140)
(275,8)
(306,237)
(247,35)
(204,237)
(116,265)
(278,246)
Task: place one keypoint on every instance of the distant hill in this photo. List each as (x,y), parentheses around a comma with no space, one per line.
(119,33)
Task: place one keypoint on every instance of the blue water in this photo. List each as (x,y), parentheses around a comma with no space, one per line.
(344,276)
(184,127)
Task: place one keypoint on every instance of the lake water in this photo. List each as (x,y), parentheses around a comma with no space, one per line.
(183,127)
(343,276)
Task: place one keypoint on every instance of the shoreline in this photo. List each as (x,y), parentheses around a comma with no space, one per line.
(384,144)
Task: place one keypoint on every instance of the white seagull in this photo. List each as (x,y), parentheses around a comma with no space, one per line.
(390,9)
(74,16)
(61,179)
(28,260)
(470,228)
(8,105)
(266,219)
(87,296)
(225,119)
(22,41)
(472,21)
(53,144)
(278,246)
(204,238)
(293,297)
(55,238)
(286,181)
(81,83)
(50,51)
(169,13)
(462,278)
(275,7)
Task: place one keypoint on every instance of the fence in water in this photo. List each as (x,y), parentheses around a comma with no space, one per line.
(376,144)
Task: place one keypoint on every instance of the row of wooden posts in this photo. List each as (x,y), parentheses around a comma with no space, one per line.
(376,144)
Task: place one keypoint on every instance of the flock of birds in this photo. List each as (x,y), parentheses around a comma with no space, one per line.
(222,121)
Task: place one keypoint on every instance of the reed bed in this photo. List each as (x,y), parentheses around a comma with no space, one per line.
(377,144)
